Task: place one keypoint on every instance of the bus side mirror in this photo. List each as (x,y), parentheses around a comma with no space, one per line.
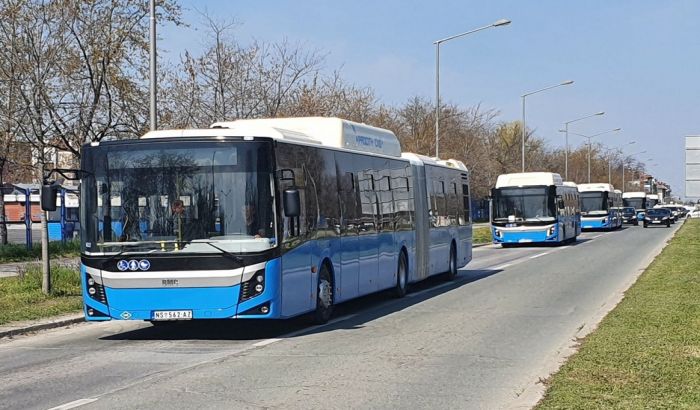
(48,196)
(292,204)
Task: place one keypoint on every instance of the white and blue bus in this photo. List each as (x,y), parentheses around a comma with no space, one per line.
(600,206)
(637,200)
(263,219)
(534,207)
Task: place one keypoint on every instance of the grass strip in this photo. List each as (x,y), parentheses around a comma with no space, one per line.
(19,253)
(646,352)
(482,235)
(21,297)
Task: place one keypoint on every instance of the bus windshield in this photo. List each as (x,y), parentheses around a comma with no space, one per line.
(187,197)
(523,204)
(636,203)
(594,203)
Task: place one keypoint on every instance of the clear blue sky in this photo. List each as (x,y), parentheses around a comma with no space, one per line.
(639,61)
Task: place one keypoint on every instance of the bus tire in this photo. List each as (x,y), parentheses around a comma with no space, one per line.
(401,277)
(452,272)
(324,297)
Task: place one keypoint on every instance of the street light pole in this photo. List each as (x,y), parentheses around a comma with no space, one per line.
(566,144)
(523,130)
(610,158)
(498,23)
(152,50)
(589,137)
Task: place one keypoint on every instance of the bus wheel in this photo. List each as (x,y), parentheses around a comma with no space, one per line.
(401,277)
(452,272)
(324,297)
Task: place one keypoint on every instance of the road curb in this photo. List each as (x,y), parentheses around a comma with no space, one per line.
(8,331)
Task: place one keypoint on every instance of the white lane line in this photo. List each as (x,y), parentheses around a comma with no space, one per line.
(74,404)
(538,255)
(502,266)
(266,342)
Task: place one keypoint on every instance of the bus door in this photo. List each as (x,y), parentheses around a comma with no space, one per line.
(368,233)
(349,228)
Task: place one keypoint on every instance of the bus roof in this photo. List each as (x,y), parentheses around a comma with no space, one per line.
(422,159)
(596,187)
(328,131)
(570,183)
(528,179)
(634,195)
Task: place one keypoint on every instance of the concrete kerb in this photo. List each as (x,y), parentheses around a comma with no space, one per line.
(20,328)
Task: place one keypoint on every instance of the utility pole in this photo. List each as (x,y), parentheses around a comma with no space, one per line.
(154,80)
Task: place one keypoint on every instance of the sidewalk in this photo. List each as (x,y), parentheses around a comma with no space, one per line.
(14,268)
(28,326)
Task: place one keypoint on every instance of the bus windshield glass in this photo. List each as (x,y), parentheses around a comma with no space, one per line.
(523,204)
(594,203)
(187,197)
(636,203)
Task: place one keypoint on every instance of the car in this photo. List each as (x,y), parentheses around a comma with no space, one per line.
(629,215)
(657,216)
(694,213)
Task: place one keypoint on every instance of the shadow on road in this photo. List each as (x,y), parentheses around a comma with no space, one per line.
(363,310)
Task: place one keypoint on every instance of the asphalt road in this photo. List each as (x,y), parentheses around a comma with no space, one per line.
(484,341)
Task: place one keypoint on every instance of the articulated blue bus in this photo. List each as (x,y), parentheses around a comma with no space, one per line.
(534,207)
(263,219)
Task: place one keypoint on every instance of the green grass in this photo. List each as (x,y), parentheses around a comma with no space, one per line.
(19,253)
(482,235)
(646,352)
(21,297)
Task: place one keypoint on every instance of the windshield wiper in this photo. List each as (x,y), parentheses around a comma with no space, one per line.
(228,254)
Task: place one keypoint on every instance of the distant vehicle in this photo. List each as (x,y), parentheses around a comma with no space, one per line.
(694,213)
(652,200)
(677,211)
(534,207)
(657,216)
(638,200)
(599,206)
(629,215)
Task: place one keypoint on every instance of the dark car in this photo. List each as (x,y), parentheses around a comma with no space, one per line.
(658,216)
(629,215)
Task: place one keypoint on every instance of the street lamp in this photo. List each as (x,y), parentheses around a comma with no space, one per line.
(566,144)
(620,148)
(589,137)
(498,23)
(522,142)
(624,162)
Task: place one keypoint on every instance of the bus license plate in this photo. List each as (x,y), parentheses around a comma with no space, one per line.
(172,315)
(656,222)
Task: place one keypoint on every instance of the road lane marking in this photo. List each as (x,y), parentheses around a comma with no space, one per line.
(502,266)
(266,342)
(538,255)
(74,404)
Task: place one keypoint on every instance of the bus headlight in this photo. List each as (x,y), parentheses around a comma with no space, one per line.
(95,290)
(254,286)
(497,233)
(551,229)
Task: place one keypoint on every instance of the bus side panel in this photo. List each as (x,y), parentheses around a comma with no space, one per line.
(388,260)
(464,245)
(297,280)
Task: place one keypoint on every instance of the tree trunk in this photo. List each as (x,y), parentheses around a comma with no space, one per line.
(3,227)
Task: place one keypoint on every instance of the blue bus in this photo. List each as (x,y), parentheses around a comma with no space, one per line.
(534,207)
(263,219)
(600,206)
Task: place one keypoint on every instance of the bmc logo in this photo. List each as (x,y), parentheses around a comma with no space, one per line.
(170,282)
